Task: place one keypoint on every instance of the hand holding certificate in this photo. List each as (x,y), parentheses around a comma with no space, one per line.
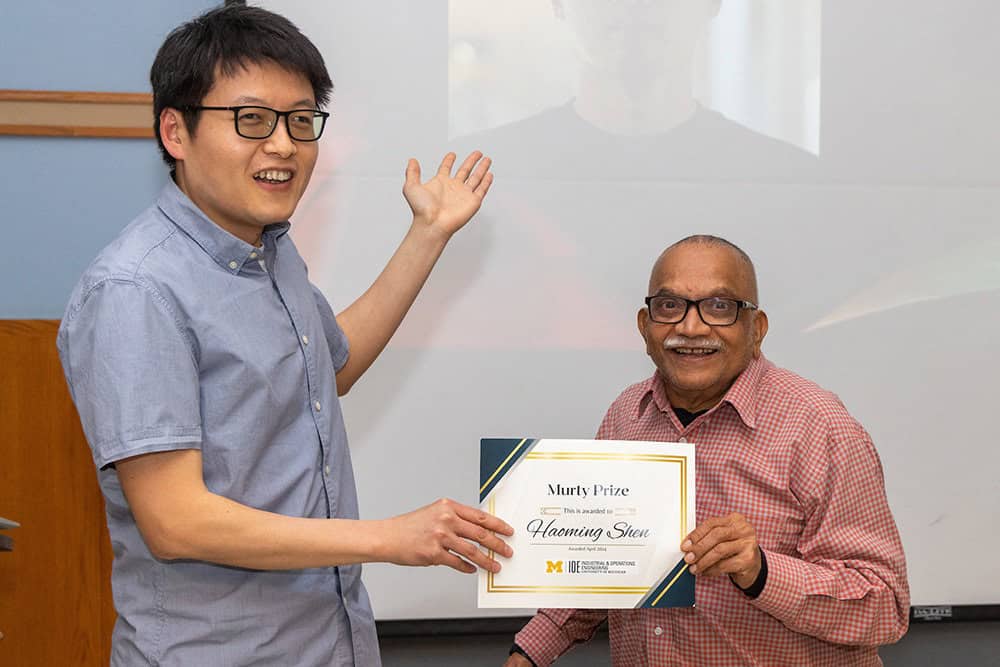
(597,523)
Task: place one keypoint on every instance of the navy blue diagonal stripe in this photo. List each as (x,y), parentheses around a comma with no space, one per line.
(680,593)
(496,457)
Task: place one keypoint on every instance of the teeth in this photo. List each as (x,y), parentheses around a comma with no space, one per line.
(693,350)
(279,176)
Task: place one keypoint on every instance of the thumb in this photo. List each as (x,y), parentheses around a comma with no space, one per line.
(412,173)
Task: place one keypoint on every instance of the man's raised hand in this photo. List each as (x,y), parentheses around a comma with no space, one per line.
(445,202)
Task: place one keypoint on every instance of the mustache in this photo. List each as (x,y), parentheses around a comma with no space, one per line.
(674,342)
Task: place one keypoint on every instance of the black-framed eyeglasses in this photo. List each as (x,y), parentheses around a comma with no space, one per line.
(254,122)
(716,311)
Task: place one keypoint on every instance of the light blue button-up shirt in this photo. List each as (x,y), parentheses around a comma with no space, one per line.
(176,337)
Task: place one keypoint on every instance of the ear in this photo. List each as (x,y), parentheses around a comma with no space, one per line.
(173,133)
(759,331)
(641,320)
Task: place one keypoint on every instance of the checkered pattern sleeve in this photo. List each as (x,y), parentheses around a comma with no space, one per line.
(552,632)
(849,586)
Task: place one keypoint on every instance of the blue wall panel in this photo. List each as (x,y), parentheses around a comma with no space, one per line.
(64,199)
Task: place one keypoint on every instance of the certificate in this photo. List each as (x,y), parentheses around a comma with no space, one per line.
(597,523)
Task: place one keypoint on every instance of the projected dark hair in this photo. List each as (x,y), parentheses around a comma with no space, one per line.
(222,41)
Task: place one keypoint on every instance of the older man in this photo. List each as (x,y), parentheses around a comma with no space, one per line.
(796,555)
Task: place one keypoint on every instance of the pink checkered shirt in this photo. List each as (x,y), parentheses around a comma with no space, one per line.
(786,454)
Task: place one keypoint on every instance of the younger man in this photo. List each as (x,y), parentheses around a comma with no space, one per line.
(206,370)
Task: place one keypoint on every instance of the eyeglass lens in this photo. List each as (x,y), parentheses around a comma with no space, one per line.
(713,310)
(259,122)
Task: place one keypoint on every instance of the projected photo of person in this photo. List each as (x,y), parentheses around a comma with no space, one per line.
(717,90)
(605,122)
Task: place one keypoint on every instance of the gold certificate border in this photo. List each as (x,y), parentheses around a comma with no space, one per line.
(492,587)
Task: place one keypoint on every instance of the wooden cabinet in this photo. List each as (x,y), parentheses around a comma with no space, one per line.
(55,590)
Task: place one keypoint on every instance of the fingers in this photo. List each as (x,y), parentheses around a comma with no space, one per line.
(472,553)
(477,175)
(699,533)
(479,527)
(484,185)
(484,519)
(446,164)
(458,531)
(714,556)
(721,545)
(485,538)
(454,562)
(463,172)
(704,531)
(474,173)
(740,566)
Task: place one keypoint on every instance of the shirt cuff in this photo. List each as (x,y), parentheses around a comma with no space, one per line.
(754,589)
(542,641)
(783,595)
(520,651)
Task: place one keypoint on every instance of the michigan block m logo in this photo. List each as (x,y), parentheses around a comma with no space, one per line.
(553,567)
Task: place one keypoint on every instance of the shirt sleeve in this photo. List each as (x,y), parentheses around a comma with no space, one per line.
(552,632)
(131,372)
(336,340)
(849,586)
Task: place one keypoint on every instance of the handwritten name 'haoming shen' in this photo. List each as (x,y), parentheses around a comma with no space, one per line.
(539,528)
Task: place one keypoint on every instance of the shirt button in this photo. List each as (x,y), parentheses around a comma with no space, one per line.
(305,340)
(682,439)
(657,631)
(327,470)
(317,405)
(253,255)
(233,265)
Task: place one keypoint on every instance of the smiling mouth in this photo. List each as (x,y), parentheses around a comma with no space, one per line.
(694,351)
(273,176)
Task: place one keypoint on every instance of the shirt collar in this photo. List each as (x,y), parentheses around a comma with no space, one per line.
(228,251)
(742,395)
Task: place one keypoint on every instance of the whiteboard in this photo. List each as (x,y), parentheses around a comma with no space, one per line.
(849,147)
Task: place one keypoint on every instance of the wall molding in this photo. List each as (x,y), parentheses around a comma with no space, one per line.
(56,113)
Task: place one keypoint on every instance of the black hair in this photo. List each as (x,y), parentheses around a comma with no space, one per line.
(224,40)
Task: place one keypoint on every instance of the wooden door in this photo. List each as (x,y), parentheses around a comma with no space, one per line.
(55,590)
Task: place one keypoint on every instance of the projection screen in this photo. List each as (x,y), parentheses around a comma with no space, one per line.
(849,147)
